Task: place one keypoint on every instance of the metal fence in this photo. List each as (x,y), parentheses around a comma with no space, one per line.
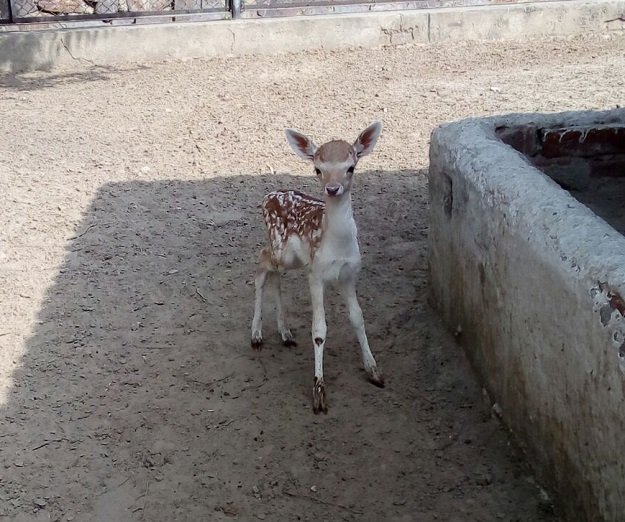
(150,11)
(5,12)
(27,11)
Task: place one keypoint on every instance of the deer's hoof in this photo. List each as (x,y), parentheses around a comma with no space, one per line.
(257,341)
(319,397)
(287,338)
(375,377)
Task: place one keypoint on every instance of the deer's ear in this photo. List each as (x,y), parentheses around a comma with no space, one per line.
(367,139)
(302,145)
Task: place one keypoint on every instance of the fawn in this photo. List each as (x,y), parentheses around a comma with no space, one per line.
(320,236)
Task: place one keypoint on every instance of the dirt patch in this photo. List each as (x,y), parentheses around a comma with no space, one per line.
(129,231)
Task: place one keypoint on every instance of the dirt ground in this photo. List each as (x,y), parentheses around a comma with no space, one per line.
(129,230)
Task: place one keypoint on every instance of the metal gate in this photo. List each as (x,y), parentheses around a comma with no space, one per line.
(70,13)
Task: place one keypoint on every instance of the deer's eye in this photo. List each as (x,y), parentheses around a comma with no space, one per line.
(350,170)
(317,171)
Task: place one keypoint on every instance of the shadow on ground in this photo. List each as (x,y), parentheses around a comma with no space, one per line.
(139,398)
(33,81)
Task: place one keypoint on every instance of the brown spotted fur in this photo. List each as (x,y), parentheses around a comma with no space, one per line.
(288,213)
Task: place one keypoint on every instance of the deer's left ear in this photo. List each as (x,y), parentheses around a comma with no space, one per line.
(367,139)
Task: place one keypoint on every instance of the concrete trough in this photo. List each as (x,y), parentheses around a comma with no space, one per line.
(528,269)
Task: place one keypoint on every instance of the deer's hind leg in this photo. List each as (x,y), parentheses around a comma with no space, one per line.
(265,268)
(348,289)
(285,332)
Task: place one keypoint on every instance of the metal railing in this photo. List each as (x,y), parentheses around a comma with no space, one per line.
(38,11)
(123,12)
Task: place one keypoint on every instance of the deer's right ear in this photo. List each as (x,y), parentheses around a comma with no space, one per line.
(302,145)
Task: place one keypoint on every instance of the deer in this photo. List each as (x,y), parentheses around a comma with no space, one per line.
(320,236)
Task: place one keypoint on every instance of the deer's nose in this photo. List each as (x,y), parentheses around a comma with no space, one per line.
(332,189)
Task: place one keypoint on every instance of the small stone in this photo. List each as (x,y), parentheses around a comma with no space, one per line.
(484,480)
(230,510)
(545,503)
(255,490)
(313,489)
(40,502)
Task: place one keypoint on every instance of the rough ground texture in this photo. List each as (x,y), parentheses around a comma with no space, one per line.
(129,230)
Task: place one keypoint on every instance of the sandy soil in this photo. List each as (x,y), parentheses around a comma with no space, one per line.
(129,229)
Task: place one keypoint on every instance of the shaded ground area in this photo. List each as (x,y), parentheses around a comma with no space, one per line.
(606,198)
(129,231)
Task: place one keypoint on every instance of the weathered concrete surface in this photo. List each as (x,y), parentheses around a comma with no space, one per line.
(46,49)
(533,282)
(110,45)
(517,21)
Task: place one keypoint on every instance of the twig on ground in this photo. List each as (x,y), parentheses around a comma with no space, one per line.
(211,383)
(83,232)
(219,380)
(255,386)
(265,379)
(197,291)
(320,501)
(46,443)
(145,499)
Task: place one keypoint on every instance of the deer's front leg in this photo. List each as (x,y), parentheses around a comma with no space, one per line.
(319,330)
(348,289)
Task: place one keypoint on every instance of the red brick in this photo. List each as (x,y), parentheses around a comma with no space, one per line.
(523,138)
(583,141)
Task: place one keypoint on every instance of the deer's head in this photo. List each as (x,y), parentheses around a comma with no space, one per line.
(336,160)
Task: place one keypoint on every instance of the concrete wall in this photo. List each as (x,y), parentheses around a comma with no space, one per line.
(46,49)
(534,282)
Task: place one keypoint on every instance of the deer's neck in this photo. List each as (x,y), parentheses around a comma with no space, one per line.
(339,218)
